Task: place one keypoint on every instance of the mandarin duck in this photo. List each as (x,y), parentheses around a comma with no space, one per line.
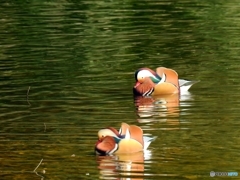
(163,81)
(129,139)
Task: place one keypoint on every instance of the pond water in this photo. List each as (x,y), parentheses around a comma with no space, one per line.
(67,70)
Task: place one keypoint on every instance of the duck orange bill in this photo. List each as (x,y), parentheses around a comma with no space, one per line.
(137,84)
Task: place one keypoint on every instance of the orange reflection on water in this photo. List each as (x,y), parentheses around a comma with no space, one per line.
(122,166)
(148,108)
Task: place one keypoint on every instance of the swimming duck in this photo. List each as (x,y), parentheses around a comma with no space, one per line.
(129,139)
(163,81)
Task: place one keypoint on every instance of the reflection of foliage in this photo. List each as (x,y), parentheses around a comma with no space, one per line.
(95,37)
(143,30)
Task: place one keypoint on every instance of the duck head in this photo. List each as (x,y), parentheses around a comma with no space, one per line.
(110,131)
(106,145)
(143,73)
(145,81)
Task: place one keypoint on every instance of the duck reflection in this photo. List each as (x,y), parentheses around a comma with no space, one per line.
(167,107)
(157,106)
(123,166)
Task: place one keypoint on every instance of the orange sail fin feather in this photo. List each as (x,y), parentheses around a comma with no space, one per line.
(171,76)
(136,133)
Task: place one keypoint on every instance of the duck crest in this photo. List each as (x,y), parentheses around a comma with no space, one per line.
(114,131)
(108,131)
